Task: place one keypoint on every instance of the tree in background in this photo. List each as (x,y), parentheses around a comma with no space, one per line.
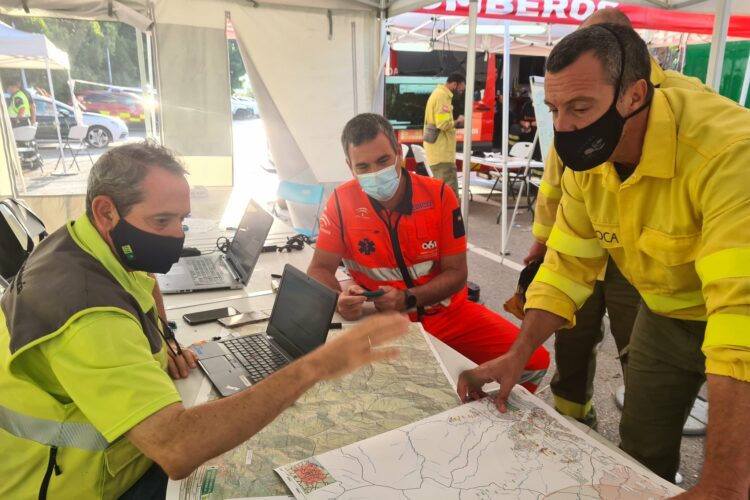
(86,43)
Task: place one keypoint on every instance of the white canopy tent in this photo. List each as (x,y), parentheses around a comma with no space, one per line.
(22,50)
(319,61)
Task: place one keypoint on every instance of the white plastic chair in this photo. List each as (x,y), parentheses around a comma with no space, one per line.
(75,143)
(421,157)
(521,150)
(27,151)
(404,152)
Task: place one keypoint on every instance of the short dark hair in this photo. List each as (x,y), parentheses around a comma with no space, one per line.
(456,77)
(119,173)
(608,43)
(364,128)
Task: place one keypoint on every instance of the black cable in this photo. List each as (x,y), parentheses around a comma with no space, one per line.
(222,244)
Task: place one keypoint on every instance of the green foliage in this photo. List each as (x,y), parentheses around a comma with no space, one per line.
(236,67)
(86,43)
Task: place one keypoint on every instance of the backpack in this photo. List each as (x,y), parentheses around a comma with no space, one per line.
(20,230)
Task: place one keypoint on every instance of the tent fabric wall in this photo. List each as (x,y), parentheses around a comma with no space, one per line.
(195,108)
(133,12)
(315,98)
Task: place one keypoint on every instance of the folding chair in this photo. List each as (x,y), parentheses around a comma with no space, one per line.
(20,229)
(26,146)
(404,152)
(303,194)
(522,150)
(75,143)
(421,158)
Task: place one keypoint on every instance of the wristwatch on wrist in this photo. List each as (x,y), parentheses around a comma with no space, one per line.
(410,300)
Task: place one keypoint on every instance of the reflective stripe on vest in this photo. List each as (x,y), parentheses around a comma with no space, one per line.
(674,302)
(50,433)
(390,273)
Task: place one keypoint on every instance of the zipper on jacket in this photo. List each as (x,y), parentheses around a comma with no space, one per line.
(51,466)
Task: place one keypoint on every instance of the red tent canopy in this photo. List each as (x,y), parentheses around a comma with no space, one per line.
(575,11)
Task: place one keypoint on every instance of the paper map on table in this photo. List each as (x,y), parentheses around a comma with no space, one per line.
(371,401)
(475,452)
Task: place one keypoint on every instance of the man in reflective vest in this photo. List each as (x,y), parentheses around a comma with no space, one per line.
(19,110)
(440,130)
(664,170)
(87,409)
(576,348)
(402,236)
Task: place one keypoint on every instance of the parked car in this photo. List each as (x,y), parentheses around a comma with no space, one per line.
(124,105)
(102,129)
(244,107)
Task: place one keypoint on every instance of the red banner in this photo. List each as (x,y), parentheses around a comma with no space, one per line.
(575,11)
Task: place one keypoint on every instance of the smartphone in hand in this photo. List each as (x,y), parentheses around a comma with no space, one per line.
(371,294)
(244,319)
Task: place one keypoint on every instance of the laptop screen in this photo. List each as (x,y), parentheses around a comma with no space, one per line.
(301,313)
(247,243)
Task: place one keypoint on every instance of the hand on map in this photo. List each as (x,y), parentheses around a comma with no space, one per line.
(358,345)
(349,304)
(505,370)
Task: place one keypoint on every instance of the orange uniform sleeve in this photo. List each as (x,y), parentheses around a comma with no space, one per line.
(331,236)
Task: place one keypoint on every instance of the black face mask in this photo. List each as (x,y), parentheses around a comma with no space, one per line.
(587,147)
(144,251)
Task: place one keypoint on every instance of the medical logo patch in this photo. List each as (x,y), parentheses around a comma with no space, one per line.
(366,246)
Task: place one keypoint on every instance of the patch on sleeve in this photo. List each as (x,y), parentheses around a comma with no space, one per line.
(458,224)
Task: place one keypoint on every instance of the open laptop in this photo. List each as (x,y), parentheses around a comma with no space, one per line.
(221,271)
(299,323)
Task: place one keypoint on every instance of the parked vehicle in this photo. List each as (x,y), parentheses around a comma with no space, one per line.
(124,105)
(102,129)
(243,108)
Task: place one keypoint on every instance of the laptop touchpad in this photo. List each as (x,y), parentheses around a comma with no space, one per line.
(216,365)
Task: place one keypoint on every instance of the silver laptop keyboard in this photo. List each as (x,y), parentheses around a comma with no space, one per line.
(256,356)
(204,272)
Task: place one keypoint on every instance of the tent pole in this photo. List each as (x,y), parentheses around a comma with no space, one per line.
(745,83)
(506,124)
(57,122)
(471,60)
(144,83)
(718,44)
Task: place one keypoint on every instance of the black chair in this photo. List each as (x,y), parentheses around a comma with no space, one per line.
(20,230)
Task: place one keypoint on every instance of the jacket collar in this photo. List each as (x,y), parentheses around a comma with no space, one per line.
(659,151)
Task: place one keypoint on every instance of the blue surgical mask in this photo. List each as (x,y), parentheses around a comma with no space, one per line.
(381,185)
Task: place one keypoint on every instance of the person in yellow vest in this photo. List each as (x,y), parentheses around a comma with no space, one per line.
(87,409)
(440,130)
(664,170)
(576,348)
(19,109)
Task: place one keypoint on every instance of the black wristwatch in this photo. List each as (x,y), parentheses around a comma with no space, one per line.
(410,300)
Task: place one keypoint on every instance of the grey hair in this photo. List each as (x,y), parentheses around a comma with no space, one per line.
(602,41)
(119,173)
(364,128)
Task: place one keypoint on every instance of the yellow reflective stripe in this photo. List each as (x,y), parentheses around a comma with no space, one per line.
(571,409)
(572,245)
(729,263)
(104,112)
(441,117)
(540,231)
(663,303)
(549,190)
(577,292)
(727,330)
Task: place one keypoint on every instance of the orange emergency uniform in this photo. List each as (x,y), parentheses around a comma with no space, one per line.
(402,248)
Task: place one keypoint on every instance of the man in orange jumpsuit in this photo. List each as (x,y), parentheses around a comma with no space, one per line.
(403,235)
